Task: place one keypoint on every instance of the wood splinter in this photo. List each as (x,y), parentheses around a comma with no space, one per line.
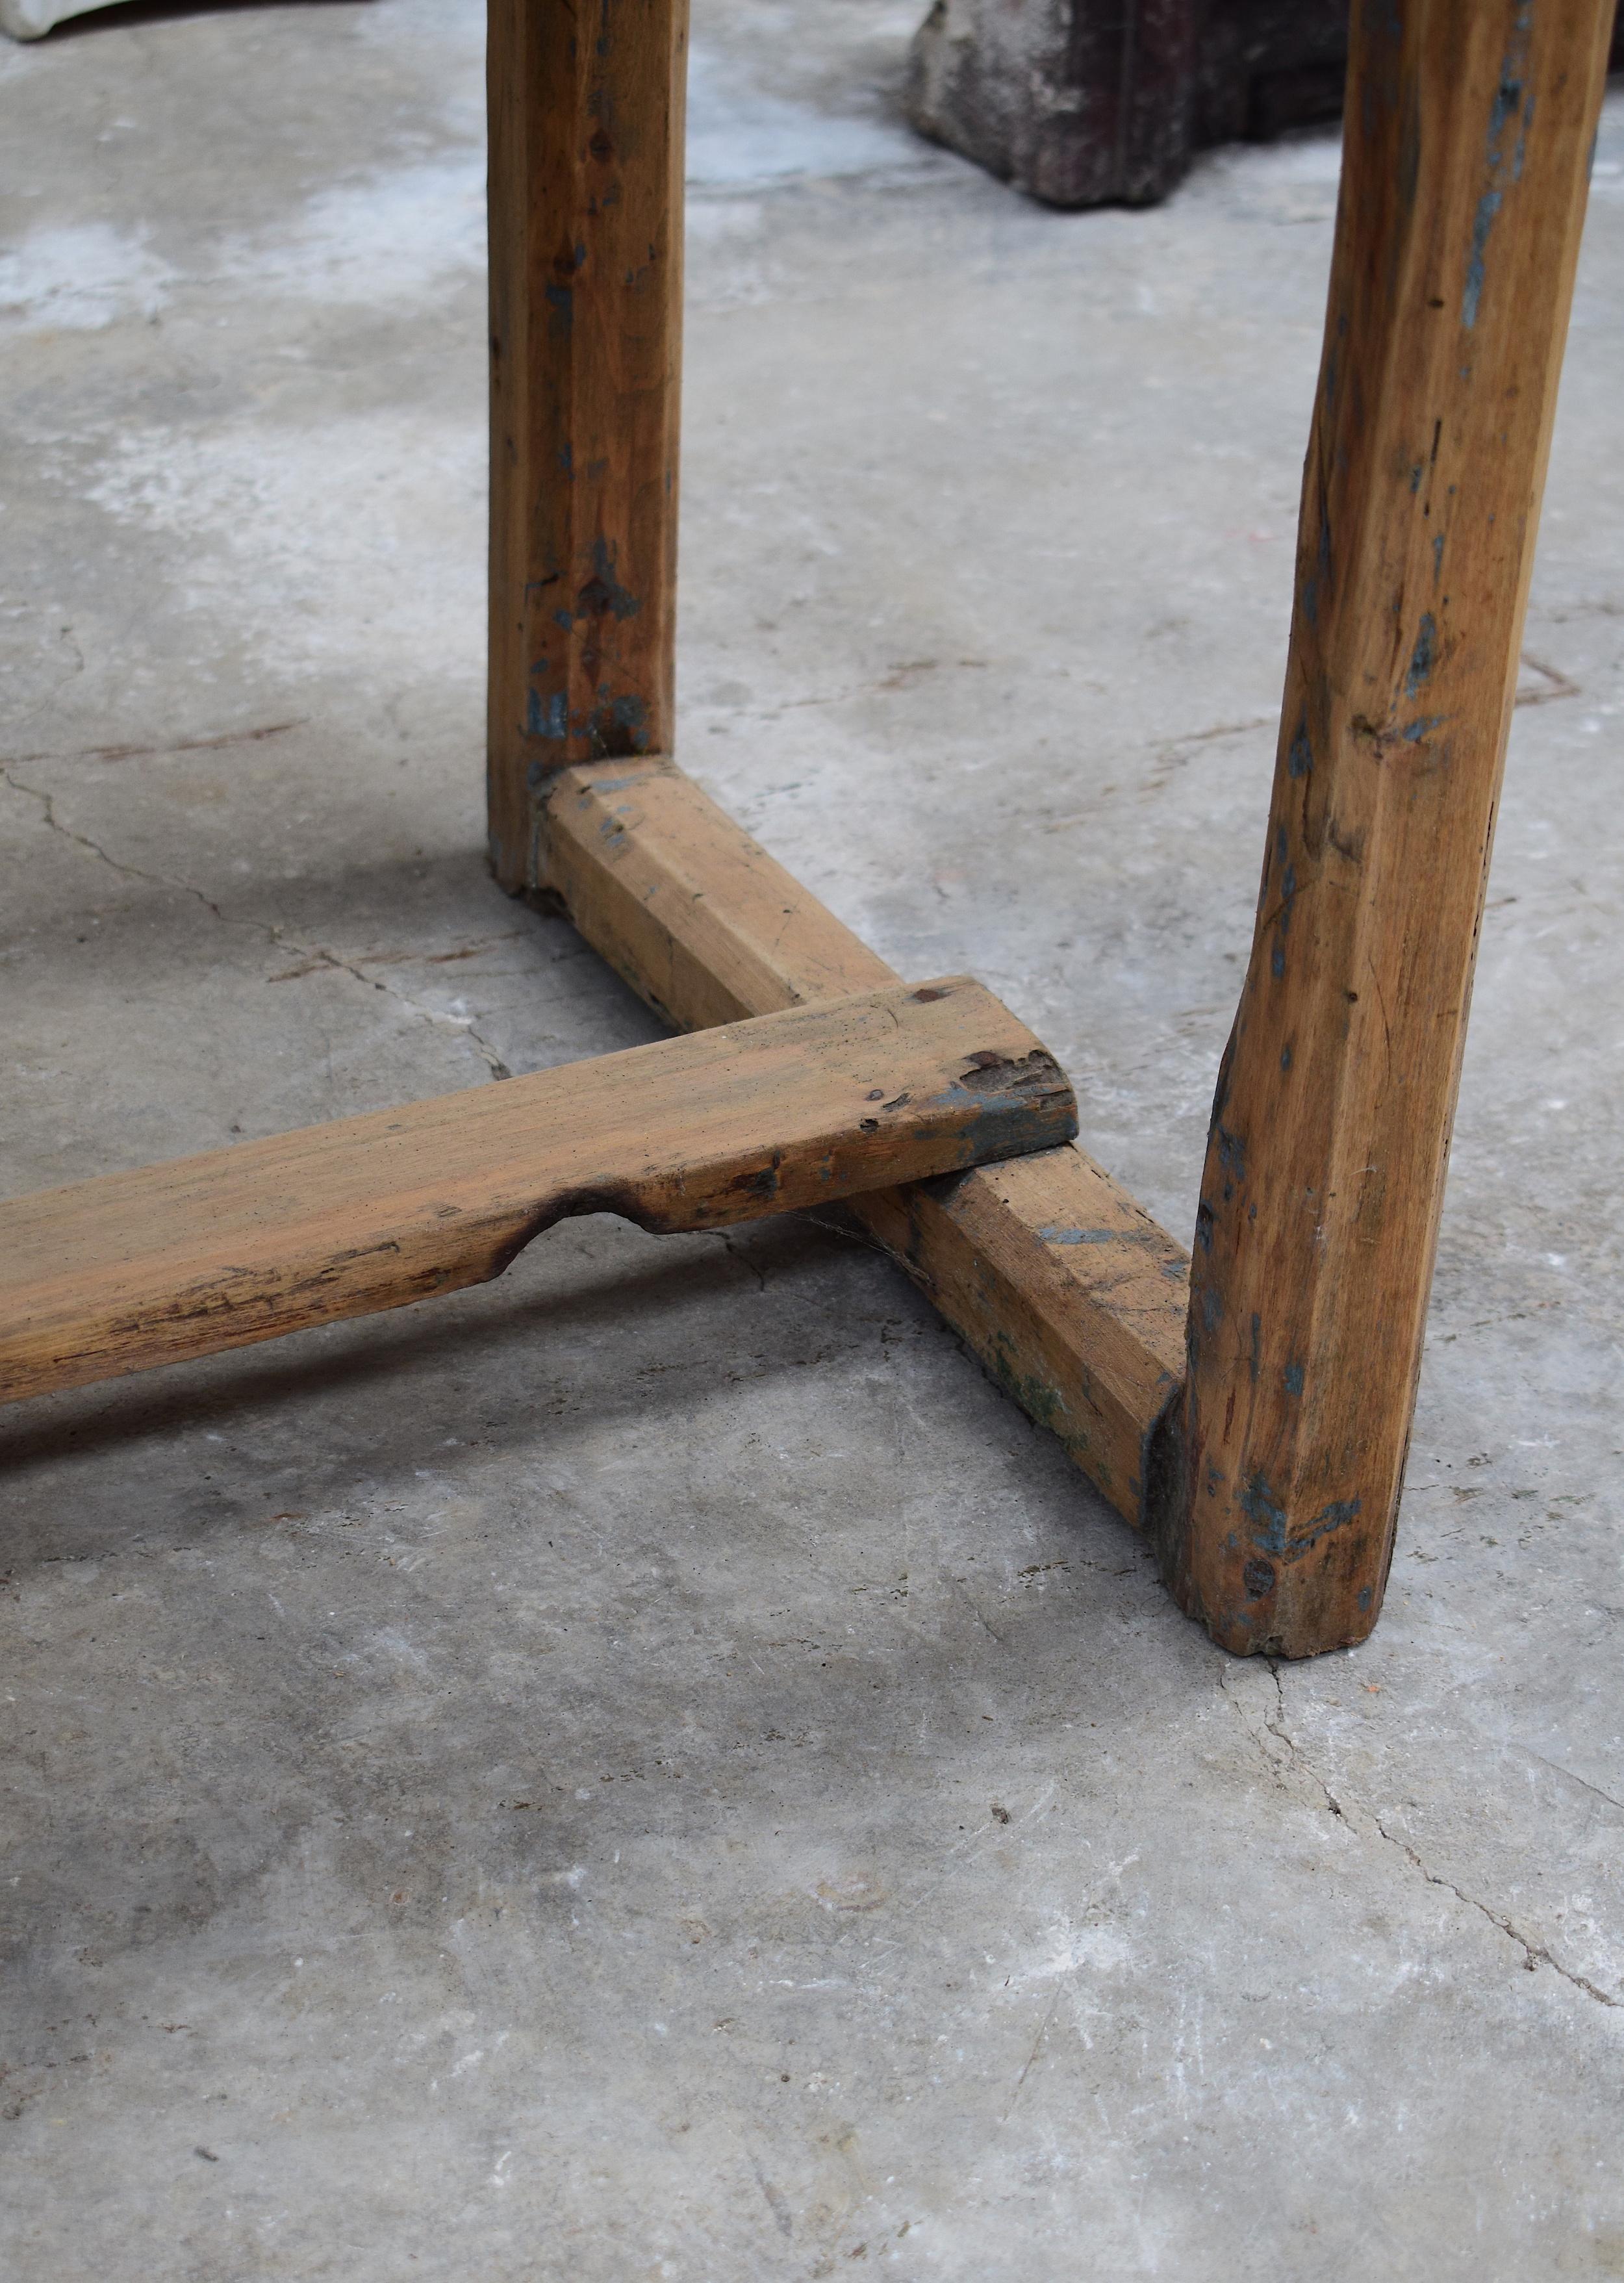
(798,1109)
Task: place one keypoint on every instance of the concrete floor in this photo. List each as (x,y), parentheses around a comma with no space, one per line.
(654,1768)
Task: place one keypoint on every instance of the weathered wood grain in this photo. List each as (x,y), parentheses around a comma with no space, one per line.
(682,903)
(585,295)
(1469,125)
(801,1108)
(1065,1289)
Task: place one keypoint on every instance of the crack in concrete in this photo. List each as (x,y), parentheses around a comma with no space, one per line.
(1043,2032)
(1270,1759)
(219,743)
(1534,1954)
(48,809)
(318,955)
(1277,1727)
(1568,1776)
(743,1259)
(463,1025)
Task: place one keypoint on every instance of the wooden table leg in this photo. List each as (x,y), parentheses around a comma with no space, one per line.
(1468,136)
(585,204)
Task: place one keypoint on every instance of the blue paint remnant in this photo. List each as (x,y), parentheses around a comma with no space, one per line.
(1520,153)
(1294,1379)
(1008,1120)
(1334,1517)
(1424,657)
(1086,1236)
(1231,1153)
(1212,1310)
(1258,1578)
(1257,1342)
(617,727)
(1414,732)
(1364,1597)
(566,461)
(1284,1058)
(1508,96)
(1415,480)
(564,619)
(1266,1516)
(1438,557)
(547,717)
(1272,1534)
(1288,892)
(1300,759)
(561,300)
(603,596)
(1489,206)
(1203,1226)
(1506,106)
(762,1183)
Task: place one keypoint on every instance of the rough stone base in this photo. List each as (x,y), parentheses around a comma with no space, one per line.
(1084,102)
(1076,104)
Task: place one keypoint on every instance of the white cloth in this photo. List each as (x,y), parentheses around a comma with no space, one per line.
(28,19)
